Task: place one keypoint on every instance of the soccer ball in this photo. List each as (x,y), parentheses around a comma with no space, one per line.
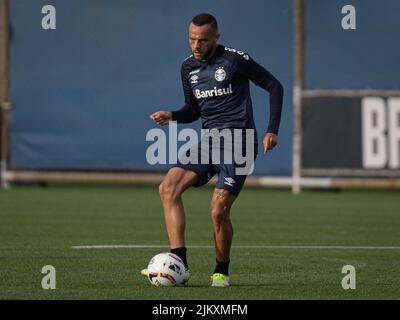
(166,269)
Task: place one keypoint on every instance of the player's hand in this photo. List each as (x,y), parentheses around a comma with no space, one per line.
(270,141)
(161,117)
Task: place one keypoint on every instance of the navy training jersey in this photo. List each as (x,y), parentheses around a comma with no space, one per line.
(218,91)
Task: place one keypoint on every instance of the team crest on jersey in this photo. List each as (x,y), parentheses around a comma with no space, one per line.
(194,78)
(220,74)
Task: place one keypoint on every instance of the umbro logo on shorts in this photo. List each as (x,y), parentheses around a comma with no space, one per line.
(229,181)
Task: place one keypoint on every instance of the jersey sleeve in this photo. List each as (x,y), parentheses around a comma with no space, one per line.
(264,79)
(190,111)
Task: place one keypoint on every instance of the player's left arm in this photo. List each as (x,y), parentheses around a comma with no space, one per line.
(264,79)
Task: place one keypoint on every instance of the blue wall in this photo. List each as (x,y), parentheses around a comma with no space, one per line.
(82,93)
(365,58)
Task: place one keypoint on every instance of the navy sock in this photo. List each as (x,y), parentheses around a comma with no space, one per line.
(181,253)
(222,267)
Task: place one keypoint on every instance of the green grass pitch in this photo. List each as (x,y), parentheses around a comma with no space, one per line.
(39,226)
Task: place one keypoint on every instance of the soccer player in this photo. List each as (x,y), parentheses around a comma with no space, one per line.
(215,81)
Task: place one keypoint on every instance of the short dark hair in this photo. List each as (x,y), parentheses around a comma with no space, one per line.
(205,18)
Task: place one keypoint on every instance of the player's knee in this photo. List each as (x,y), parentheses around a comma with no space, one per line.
(219,213)
(175,183)
(166,190)
(169,190)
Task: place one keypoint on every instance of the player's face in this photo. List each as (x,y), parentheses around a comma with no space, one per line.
(202,40)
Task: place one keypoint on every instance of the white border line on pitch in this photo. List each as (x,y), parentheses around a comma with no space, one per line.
(155,246)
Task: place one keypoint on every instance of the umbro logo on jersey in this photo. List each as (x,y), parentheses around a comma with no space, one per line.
(229,181)
(213,93)
(194,78)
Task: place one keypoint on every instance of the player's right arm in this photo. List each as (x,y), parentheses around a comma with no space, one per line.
(188,113)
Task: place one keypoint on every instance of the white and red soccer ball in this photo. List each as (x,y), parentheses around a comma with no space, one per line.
(166,269)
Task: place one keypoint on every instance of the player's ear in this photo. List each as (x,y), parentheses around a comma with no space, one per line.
(217,36)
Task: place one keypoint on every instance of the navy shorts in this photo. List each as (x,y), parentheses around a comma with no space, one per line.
(231,173)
